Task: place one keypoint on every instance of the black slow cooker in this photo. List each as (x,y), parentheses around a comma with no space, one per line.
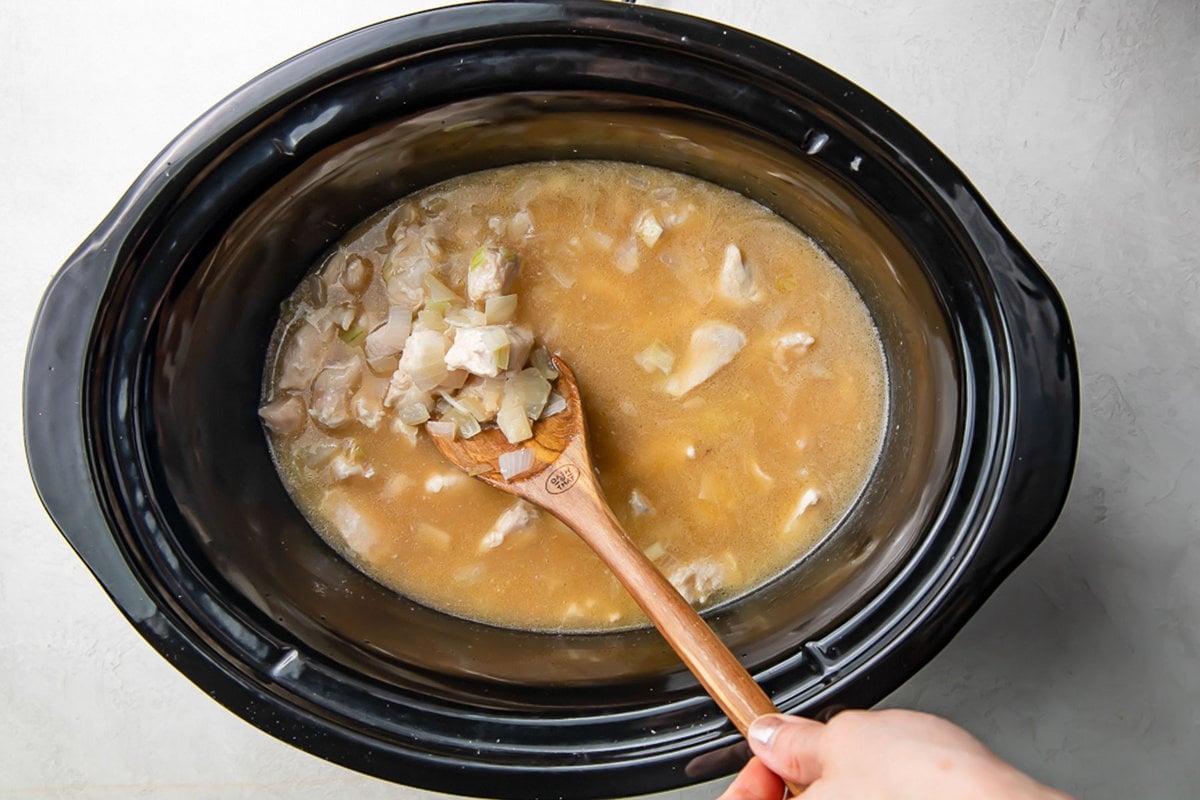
(144,373)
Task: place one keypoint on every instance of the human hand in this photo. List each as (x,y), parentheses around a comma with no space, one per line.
(877,755)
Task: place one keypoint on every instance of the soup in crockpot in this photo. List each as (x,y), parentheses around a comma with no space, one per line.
(733,381)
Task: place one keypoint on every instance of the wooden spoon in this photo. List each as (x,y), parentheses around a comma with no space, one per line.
(562,481)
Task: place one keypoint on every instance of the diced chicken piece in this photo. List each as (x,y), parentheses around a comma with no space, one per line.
(468,575)
(433,537)
(698,580)
(356,275)
(317,449)
(347,465)
(396,485)
(638,503)
(405,271)
(409,432)
(808,499)
(375,310)
(367,403)
(713,345)
(483,351)
(359,532)
(389,338)
(518,516)
(334,293)
(490,273)
(285,415)
(736,282)
(400,385)
(438,481)
(625,257)
(331,391)
(792,343)
(303,358)
(679,215)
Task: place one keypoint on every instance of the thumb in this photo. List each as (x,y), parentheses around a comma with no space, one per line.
(788,746)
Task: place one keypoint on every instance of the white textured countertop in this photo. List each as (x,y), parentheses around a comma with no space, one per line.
(1079,122)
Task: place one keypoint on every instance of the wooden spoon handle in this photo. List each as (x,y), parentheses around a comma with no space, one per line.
(717,669)
(570,491)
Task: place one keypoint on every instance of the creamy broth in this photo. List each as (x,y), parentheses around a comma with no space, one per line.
(723,485)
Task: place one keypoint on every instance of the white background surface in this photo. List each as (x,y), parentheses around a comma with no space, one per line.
(1079,122)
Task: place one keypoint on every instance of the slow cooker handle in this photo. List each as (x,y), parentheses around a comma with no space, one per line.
(1042,393)
(56,442)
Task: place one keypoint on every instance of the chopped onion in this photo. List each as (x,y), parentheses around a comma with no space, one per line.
(649,229)
(499,309)
(512,419)
(656,357)
(353,336)
(540,360)
(531,389)
(414,414)
(555,405)
(429,319)
(482,396)
(442,428)
(470,404)
(465,318)
(384,365)
(638,503)
(807,500)
(424,359)
(440,292)
(514,462)
(454,380)
(388,339)
(477,258)
(448,401)
(521,340)
(466,424)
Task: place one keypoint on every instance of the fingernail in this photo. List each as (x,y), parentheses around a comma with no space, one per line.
(763,729)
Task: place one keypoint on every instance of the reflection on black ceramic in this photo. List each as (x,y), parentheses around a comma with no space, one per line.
(143,379)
